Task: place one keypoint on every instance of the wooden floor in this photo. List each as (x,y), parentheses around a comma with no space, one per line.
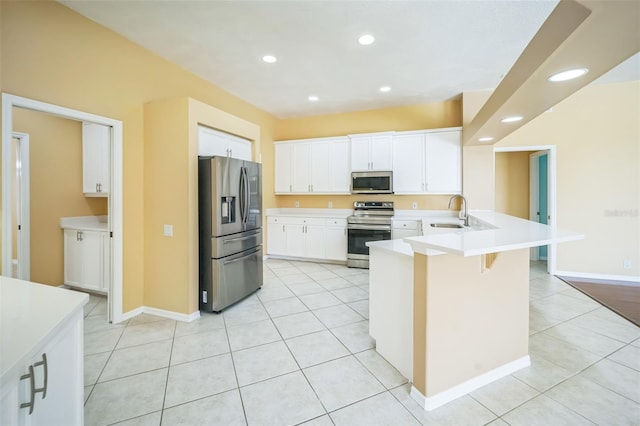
(622,299)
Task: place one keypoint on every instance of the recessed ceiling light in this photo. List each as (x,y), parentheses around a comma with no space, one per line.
(313,98)
(385,89)
(485,139)
(270,59)
(512,119)
(366,39)
(568,74)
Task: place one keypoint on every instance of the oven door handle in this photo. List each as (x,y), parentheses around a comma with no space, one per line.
(369,227)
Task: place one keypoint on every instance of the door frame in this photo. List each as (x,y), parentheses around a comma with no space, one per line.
(550,150)
(534,193)
(115,196)
(24,205)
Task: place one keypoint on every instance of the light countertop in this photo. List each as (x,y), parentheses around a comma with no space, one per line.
(29,314)
(510,233)
(85,223)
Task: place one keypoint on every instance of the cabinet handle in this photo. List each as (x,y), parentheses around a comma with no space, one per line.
(79,236)
(43,363)
(230,152)
(32,390)
(290,188)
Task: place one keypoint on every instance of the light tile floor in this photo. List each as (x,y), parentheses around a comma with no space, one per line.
(299,351)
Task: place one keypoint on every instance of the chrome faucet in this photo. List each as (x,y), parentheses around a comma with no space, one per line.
(465,217)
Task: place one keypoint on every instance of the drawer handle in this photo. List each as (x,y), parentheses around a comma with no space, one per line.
(43,363)
(32,390)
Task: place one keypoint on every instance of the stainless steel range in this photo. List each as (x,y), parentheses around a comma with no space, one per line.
(371,221)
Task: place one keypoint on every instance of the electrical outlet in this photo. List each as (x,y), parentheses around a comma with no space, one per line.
(297,204)
(330,204)
(168,230)
(414,205)
(626,264)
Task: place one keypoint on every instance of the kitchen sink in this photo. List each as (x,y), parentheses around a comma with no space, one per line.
(447,225)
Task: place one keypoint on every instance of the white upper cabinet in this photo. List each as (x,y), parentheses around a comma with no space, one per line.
(283,163)
(213,142)
(427,162)
(408,163)
(371,151)
(443,162)
(96,139)
(318,166)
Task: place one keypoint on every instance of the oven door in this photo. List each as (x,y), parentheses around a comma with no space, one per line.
(360,234)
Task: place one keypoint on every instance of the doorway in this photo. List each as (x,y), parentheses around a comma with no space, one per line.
(541,193)
(114,200)
(20,218)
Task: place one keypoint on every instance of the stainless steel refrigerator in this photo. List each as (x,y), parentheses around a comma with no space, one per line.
(230,220)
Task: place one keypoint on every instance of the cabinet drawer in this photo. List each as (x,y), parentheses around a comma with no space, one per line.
(405,224)
(314,221)
(337,222)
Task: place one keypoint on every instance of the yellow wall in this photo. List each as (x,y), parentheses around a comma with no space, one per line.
(414,117)
(52,54)
(512,183)
(597,134)
(55,157)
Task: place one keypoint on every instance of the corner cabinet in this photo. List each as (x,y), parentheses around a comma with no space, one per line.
(96,164)
(87,259)
(427,162)
(312,166)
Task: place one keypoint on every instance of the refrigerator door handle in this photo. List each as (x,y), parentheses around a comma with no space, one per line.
(247,194)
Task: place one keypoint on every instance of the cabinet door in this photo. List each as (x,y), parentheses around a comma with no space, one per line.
(408,164)
(211,142)
(91,243)
(301,175)
(360,153)
(320,168)
(443,165)
(282,168)
(276,239)
(295,240)
(336,243)
(72,258)
(240,149)
(340,171)
(96,140)
(314,241)
(399,233)
(381,152)
(64,402)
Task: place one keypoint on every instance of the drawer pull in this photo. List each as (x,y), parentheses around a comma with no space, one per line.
(32,390)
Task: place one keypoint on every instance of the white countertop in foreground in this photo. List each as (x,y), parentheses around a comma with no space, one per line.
(85,223)
(511,233)
(29,314)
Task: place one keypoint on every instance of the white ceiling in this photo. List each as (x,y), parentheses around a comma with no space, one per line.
(426,51)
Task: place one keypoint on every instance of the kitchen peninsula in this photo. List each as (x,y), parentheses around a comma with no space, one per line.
(450,309)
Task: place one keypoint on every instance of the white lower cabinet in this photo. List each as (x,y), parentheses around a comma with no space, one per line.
(87,259)
(312,238)
(55,393)
(336,239)
(405,228)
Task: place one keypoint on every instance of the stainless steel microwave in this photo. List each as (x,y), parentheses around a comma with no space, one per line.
(372,182)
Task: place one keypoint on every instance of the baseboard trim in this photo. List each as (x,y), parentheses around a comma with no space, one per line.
(601,278)
(305,259)
(161,313)
(439,399)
